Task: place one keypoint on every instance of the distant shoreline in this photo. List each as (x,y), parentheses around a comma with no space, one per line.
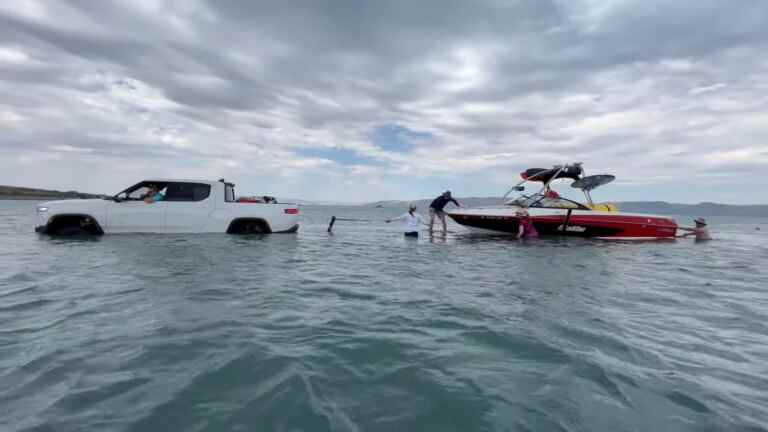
(650,207)
(31,198)
(31,194)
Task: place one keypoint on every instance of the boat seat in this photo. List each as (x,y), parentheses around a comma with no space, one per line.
(604,207)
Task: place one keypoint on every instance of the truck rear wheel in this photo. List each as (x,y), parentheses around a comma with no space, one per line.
(248,226)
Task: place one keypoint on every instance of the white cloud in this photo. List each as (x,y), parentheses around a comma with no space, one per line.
(13,55)
(9,119)
(239,90)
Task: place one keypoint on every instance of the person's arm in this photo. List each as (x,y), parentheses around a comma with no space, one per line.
(154,198)
(456,202)
(401,217)
(520,231)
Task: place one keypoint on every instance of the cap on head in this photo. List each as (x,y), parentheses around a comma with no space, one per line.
(411,206)
(700,221)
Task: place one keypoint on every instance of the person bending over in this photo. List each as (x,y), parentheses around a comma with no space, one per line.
(436,209)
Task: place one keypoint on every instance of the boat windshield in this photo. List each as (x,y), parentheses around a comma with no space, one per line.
(541,201)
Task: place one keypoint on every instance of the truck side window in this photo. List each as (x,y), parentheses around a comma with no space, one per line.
(187,192)
(229,192)
(139,192)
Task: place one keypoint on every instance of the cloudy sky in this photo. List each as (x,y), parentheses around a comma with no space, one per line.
(353,100)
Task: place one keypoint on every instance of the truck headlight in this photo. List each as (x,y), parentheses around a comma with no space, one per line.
(42,209)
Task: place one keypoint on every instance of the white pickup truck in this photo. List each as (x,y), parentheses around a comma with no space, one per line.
(179,206)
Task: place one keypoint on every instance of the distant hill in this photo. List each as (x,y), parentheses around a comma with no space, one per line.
(424,203)
(22,193)
(701,209)
(304,202)
(655,207)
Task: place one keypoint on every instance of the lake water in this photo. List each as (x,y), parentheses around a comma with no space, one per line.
(364,330)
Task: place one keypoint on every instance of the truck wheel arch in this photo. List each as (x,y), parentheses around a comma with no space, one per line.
(73,223)
(248,225)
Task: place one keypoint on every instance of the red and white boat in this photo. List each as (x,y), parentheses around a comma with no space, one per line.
(554,215)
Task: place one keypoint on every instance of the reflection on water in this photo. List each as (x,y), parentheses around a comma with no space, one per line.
(367,330)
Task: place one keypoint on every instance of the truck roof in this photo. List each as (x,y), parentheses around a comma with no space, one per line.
(177,180)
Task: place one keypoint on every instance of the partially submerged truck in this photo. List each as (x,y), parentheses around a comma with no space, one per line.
(168,206)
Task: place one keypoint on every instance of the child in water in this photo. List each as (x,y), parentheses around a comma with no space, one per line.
(526,229)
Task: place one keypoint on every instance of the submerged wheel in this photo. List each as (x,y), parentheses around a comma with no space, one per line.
(73,225)
(249,226)
(70,231)
(252,228)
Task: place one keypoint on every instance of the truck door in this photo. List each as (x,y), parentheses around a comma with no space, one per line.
(189,206)
(133,215)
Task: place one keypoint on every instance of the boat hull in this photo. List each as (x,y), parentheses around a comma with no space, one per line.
(576,223)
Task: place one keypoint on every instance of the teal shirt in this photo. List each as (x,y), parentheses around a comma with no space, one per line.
(158,197)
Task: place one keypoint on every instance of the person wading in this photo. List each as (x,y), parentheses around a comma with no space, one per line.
(411,221)
(436,210)
(700,232)
(526,229)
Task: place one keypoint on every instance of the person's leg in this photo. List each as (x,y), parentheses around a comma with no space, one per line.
(445,227)
(431,219)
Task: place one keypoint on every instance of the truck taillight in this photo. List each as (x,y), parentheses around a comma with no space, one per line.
(291,211)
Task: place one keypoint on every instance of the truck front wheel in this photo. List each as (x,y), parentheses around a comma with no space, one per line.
(68,225)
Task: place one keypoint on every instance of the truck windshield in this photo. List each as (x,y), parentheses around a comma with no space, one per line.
(229,192)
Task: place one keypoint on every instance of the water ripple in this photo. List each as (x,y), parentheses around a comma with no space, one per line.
(367,331)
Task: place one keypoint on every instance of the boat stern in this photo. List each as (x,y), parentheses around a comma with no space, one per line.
(487,219)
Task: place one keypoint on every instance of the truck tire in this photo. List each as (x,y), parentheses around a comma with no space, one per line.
(248,226)
(73,225)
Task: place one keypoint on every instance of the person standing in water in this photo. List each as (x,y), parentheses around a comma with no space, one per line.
(411,221)
(526,229)
(700,231)
(436,209)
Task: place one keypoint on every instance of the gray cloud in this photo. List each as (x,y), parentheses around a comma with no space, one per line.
(238,88)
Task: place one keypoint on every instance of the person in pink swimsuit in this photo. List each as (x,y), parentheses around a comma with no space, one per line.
(526,229)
